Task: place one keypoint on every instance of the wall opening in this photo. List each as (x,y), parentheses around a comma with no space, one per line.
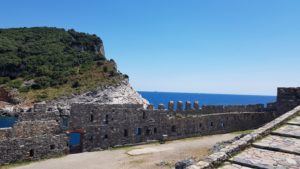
(200,125)
(211,123)
(125,133)
(31,153)
(75,141)
(106,119)
(92,118)
(52,147)
(148,132)
(222,124)
(105,136)
(173,128)
(7,121)
(144,115)
(138,131)
(155,130)
(65,122)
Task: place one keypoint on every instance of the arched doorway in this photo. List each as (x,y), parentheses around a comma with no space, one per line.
(75,140)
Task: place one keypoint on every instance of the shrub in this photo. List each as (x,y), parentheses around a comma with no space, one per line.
(4,80)
(15,83)
(24,89)
(105,69)
(42,82)
(41,97)
(76,84)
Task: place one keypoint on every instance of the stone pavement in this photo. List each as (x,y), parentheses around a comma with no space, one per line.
(280,149)
(273,146)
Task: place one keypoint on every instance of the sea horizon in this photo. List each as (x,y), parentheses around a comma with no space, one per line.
(157,98)
(180,92)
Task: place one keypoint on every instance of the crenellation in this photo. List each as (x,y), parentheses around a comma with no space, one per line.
(196,105)
(188,105)
(171,106)
(179,106)
(161,107)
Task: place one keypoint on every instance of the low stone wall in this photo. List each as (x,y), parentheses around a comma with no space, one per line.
(34,136)
(104,127)
(32,148)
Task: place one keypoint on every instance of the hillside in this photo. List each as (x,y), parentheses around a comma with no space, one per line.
(41,64)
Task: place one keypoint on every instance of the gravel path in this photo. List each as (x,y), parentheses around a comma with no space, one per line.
(151,156)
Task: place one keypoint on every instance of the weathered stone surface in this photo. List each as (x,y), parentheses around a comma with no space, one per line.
(196,105)
(179,106)
(267,159)
(233,166)
(112,126)
(161,107)
(121,93)
(246,141)
(294,121)
(277,143)
(288,130)
(171,106)
(188,105)
(287,99)
(184,164)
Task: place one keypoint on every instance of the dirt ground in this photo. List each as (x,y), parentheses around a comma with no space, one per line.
(150,156)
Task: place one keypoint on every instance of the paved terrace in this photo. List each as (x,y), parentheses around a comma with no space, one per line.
(273,146)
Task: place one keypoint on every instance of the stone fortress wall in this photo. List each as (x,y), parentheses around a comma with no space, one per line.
(35,136)
(106,126)
(43,132)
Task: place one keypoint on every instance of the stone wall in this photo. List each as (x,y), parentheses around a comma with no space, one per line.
(105,126)
(32,148)
(5,133)
(287,99)
(42,132)
(36,135)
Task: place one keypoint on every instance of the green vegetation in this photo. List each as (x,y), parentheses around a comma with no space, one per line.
(45,63)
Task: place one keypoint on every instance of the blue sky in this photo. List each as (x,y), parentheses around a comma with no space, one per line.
(204,46)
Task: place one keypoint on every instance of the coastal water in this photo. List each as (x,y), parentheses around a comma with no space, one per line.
(156,98)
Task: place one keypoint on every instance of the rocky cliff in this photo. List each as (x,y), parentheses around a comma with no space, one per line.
(121,93)
(59,67)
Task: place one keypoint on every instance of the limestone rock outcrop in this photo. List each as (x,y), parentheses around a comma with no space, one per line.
(121,93)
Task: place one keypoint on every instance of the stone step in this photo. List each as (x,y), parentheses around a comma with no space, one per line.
(233,166)
(294,121)
(288,131)
(266,159)
(278,143)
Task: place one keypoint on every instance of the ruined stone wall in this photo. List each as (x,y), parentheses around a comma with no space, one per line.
(36,135)
(104,126)
(32,148)
(287,99)
(5,133)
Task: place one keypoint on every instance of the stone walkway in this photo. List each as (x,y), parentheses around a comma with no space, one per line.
(279,150)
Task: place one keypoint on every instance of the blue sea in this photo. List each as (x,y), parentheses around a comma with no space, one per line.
(157,98)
